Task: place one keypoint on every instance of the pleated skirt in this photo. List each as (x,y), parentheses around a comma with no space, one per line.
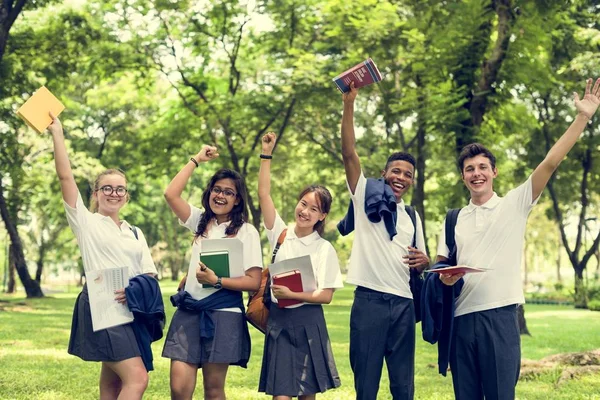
(297,358)
(113,344)
(229,345)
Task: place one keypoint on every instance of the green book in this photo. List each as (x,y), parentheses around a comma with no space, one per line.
(218,261)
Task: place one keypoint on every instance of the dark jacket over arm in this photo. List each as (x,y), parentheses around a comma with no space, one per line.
(144,300)
(437,314)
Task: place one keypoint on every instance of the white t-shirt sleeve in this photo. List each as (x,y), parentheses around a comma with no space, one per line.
(77,216)
(252,248)
(442,249)
(522,195)
(193,219)
(273,234)
(359,193)
(420,239)
(147,266)
(329,275)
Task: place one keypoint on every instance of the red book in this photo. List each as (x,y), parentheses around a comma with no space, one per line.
(293,281)
(362,74)
(457,269)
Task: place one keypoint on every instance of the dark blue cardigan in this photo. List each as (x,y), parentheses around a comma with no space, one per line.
(144,300)
(223,298)
(437,314)
(380,204)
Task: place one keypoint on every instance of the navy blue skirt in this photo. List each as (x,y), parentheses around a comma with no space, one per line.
(112,344)
(229,345)
(297,358)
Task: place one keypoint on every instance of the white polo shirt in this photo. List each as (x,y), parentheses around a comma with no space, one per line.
(491,236)
(104,245)
(376,262)
(248,236)
(323,256)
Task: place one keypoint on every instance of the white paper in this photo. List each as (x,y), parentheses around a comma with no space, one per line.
(106,311)
(302,264)
(233,246)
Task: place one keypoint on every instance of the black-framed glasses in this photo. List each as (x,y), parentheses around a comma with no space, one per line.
(108,190)
(225,192)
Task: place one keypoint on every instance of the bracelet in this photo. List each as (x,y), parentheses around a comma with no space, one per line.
(266,156)
(192,159)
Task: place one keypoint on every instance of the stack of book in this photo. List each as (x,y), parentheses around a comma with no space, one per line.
(36,110)
(362,74)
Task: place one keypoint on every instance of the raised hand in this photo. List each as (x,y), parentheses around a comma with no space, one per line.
(207,153)
(591,100)
(55,127)
(349,97)
(268,143)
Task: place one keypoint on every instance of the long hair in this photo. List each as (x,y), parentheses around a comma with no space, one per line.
(239,213)
(324,200)
(111,171)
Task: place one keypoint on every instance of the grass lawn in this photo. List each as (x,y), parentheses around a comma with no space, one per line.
(34,363)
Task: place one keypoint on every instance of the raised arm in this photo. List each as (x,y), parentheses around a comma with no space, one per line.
(351,160)
(264,181)
(585,110)
(172,194)
(68,186)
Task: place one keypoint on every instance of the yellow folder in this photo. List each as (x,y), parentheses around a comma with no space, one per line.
(35,110)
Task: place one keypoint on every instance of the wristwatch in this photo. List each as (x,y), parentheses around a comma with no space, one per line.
(218,285)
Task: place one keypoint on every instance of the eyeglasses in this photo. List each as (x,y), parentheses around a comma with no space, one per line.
(108,190)
(226,192)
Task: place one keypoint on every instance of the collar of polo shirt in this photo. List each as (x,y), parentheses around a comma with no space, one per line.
(490,204)
(306,240)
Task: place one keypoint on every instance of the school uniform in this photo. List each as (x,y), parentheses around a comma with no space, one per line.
(103,244)
(229,342)
(485,354)
(297,357)
(382,319)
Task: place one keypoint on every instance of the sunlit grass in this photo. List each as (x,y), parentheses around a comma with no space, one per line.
(34,363)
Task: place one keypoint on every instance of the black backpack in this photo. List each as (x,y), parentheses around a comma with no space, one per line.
(416,279)
(451,218)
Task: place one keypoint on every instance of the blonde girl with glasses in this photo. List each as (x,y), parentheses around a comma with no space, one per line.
(209,330)
(105,241)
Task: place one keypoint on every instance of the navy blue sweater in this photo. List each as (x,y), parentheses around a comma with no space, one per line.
(437,314)
(380,204)
(223,298)
(144,300)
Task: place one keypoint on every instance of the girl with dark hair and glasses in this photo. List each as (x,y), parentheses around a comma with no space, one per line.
(191,342)
(297,357)
(105,241)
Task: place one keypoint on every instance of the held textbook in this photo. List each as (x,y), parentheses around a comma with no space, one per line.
(106,311)
(293,281)
(35,111)
(218,261)
(458,269)
(362,74)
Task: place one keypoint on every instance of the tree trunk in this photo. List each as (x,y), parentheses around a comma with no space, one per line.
(580,296)
(522,323)
(32,288)
(9,11)
(419,190)
(558,261)
(12,283)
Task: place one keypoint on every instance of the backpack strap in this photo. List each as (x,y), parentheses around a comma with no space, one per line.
(267,293)
(135,232)
(413,217)
(280,240)
(450,231)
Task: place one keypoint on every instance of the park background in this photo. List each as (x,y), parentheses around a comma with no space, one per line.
(146,83)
